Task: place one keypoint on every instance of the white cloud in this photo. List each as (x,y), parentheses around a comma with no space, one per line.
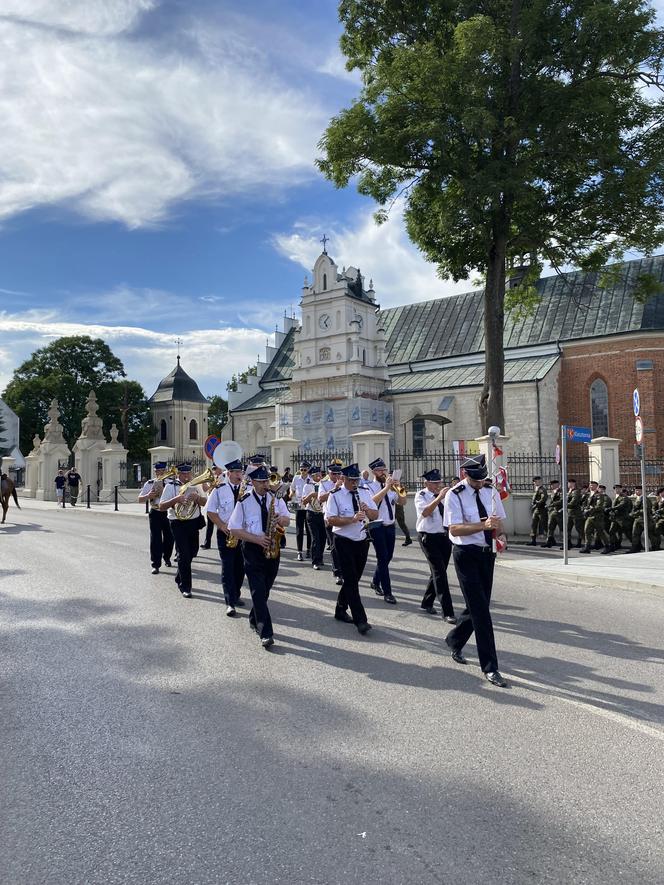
(211,356)
(334,65)
(383,252)
(119,126)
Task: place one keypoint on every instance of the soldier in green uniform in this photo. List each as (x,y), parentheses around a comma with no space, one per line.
(640,502)
(606,507)
(658,517)
(554,508)
(538,521)
(574,513)
(593,529)
(619,523)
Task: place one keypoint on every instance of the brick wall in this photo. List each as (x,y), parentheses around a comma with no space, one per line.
(614,361)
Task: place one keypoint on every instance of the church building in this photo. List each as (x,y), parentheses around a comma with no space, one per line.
(416,371)
(180,414)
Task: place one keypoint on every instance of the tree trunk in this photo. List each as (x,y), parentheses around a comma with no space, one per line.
(491,399)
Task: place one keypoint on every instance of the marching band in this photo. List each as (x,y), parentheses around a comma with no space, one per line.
(250,506)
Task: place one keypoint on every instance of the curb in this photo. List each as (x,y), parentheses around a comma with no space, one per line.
(598,581)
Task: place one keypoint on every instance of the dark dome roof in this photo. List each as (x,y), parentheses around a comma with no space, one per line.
(178,386)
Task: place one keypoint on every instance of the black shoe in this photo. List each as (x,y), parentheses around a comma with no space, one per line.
(155,571)
(407,542)
(299,556)
(458,658)
(268,642)
(338,580)
(532,543)
(205,546)
(239,603)
(584,550)
(606,550)
(450,619)
(186,593)
(495,679)
(177,580)
(363,628)
(389,598)
(230,611)
(317,567)
(548,543)
(376,589)
(167,563)
(341,615)
(428,609)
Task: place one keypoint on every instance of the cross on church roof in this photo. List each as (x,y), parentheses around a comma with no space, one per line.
(325,240)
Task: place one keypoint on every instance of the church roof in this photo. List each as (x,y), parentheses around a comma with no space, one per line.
(281,367)
(516,371)
(264,399)
(178,387)
(573,306)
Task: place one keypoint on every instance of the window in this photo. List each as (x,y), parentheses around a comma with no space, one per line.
(418,437)
(193,429)
(324,281)
(163,431)
(599,408)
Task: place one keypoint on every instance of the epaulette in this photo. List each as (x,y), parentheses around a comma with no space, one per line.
(245,496)
(459,488)
(221,485)
(334,491)
(421,491)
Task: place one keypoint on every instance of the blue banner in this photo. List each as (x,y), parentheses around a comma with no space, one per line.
(578,434)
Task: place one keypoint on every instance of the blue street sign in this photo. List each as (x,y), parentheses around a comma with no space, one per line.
(578,434)
(636,399)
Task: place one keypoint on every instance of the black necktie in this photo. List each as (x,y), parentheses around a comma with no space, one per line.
(236,493)
(390,512)
(264,514)
(441,509)
(481,509)
(356,501)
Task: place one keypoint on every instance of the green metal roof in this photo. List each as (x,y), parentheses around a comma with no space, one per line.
(264,399)
(281,367)
(573,306)
(531,369)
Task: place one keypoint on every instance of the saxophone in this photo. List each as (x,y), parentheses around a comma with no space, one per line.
(274,531)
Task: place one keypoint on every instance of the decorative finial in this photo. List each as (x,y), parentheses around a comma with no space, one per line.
(179,341)
(325,240)
(306,281)
(371,285)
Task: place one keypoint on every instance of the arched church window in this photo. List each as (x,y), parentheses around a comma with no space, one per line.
(324,282)
(419,425)
(324,354)
(163,431)
(599,408)
(193,429)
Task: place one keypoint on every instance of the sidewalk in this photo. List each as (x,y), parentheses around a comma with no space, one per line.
(129,507)
(638,571)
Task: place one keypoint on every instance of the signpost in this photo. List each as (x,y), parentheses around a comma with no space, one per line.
(569,433)
(638,429)
(636,402)
(210,445)
(641,449)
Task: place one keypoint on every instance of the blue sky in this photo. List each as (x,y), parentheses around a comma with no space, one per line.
(158,179)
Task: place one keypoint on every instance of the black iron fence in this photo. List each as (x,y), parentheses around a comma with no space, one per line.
(413,466)
(522,466)
(320,457)
(630,473)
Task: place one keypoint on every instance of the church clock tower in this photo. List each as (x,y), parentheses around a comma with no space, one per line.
(339,368)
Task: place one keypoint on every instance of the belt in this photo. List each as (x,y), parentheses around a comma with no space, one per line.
(477,548)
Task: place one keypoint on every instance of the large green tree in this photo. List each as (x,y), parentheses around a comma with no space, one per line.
(217,414)
(516,131)
(68,369)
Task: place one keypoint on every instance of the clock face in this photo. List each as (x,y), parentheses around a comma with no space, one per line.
(324,321)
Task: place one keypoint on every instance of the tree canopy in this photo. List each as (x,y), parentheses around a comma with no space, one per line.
(217,414)
(517,132)
(68,369)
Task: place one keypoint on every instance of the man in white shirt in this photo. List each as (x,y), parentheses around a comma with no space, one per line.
(220,506)
(161,537)
(383,536)
(249,522)
(348,509)
(435,543)
(334,481)
(185,531)
(473,516)
(297,487)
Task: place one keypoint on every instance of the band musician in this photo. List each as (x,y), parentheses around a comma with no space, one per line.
(185,531)
(333,481)
(220,505)
(315,519)
(383,537)
(435,543)
(250,523)
(301,526)
(348,509)
(161,537)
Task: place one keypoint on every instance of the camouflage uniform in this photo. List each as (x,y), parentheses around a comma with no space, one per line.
(538,520)
(619,522)
(575,516)
(658,517)
(555,510)
(638,523)
(593,528)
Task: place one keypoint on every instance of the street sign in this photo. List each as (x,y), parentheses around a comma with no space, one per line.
(638,429)
(210,445)
(558,454)
(636,401)
(578,434)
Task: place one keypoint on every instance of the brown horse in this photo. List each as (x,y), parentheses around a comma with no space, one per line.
(7,491)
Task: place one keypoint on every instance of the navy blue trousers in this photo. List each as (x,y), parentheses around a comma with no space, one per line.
(383,538)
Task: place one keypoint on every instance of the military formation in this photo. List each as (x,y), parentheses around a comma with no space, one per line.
(595,521)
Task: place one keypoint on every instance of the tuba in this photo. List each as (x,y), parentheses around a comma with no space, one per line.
(186,509)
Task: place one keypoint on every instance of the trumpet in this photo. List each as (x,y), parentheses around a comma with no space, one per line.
(185,510)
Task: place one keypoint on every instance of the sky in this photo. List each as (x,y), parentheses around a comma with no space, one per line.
(157,180)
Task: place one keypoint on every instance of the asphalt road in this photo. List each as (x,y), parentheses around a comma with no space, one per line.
(146,738)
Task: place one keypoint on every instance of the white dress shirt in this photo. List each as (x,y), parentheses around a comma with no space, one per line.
(383,512)
(246,514)
(297,487)
(431,525)
(340,503)
(172,490)
(325,486)
(307,490)
(462,507)
(222,502)
(147,488)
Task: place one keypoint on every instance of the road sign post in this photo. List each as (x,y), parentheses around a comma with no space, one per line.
(569,433)
(636,402)
(641,448)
